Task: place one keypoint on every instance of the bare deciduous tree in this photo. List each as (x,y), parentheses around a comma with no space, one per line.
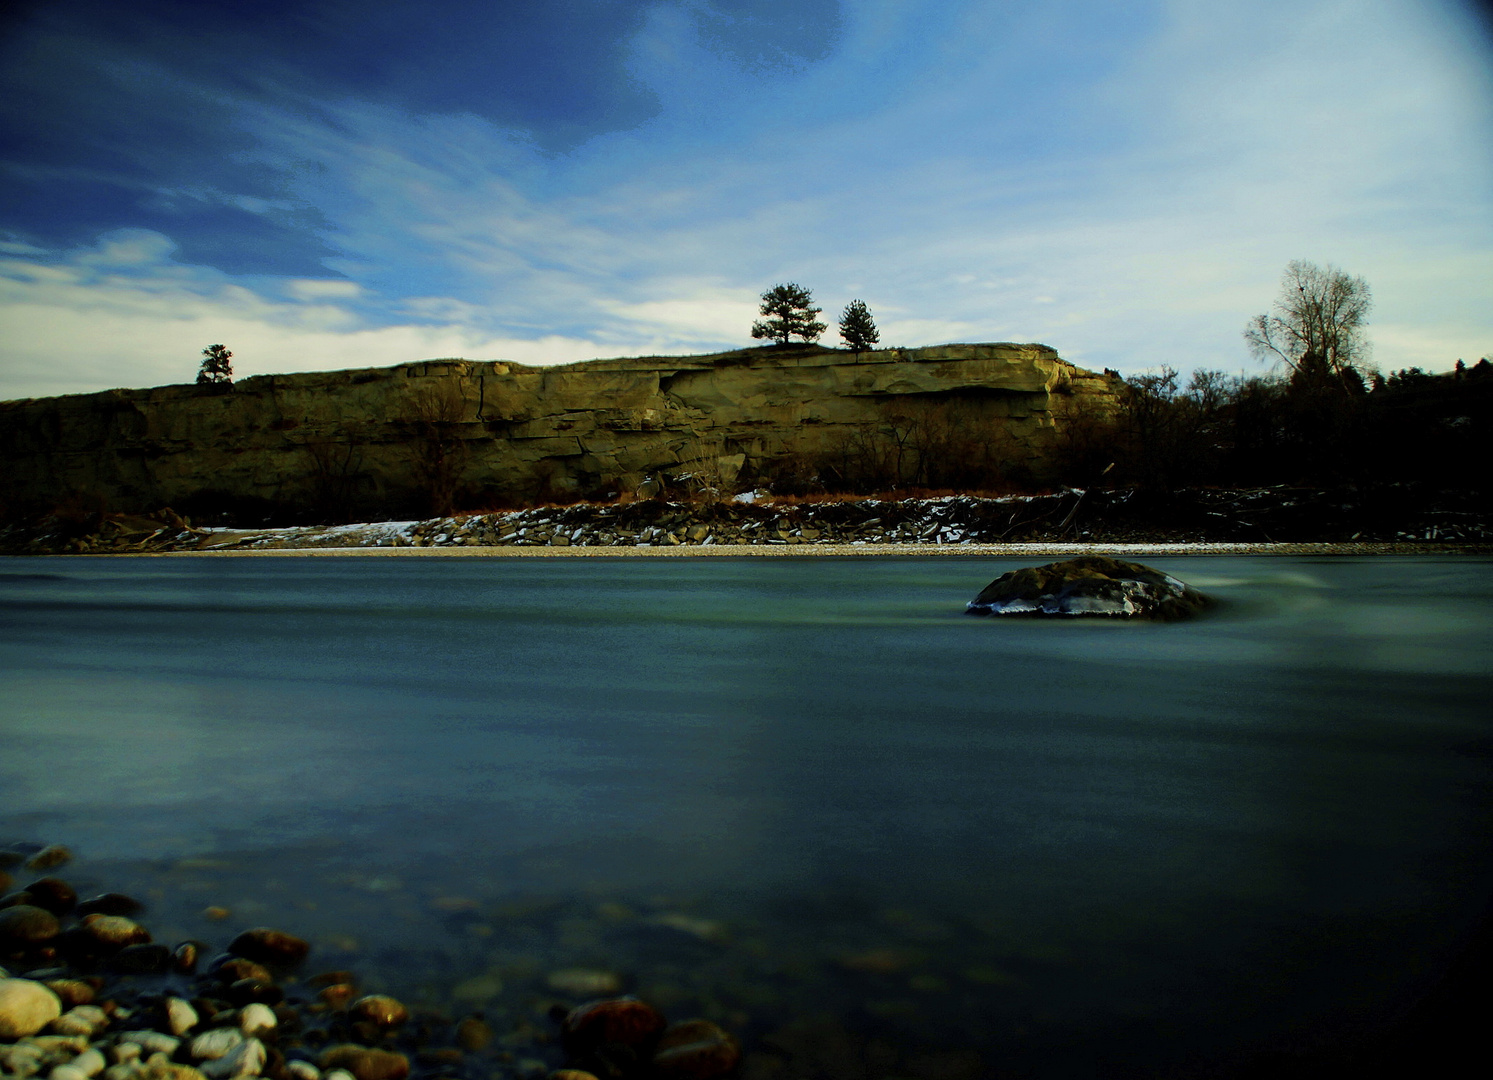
(1316,326)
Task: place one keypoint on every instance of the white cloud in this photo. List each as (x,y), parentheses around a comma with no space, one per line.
(71,331)
(1132,209)
(323,289)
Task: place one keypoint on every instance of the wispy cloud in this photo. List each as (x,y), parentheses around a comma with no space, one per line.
(1124,185)
(122,314)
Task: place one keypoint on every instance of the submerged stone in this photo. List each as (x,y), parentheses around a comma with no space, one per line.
(1093,585)
(273,947)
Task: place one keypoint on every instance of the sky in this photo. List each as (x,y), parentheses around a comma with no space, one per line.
(330,184)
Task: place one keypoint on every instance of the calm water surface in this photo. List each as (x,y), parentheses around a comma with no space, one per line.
(771,789)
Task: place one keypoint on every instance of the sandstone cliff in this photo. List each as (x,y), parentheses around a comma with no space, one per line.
(421,436)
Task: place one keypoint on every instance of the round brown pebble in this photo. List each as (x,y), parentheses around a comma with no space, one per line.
(25,925)
(571,1074)
(141,960)
(366,1064)
(624,1020)
(54,894)
(337,996)
(273,947)
(473,1034)
(695,1050)
(249,991)
(114,931)
(230,969)
(111,903)
(380,1010)
(49,857)
(184,957)
(72,992)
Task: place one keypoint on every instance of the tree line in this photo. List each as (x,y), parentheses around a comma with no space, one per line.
(1323,416)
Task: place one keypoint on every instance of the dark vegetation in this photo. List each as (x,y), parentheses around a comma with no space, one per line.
(216,367)
(789,312)
(1298,429)
(857,328)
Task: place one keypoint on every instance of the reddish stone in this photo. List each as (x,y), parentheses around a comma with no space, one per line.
(380,1010)
(624,1021)
(695,1050)
(266,946)
(366,1064)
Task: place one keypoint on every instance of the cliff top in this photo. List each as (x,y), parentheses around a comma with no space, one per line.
(794,355)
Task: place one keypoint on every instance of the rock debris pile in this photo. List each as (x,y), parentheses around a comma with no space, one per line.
(1397,514)
(87,994)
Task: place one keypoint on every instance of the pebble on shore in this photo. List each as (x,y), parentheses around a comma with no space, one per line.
(26,1007)
(107,1003)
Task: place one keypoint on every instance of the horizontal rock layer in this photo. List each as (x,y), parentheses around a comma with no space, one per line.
(422,435)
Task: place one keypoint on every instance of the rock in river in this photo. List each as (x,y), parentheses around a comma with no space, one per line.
(1089,585)
(24,925)
(273,947)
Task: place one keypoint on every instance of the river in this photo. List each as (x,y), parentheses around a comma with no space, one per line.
(790,794)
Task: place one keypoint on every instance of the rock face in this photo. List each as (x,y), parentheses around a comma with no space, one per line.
(393,440)
(1093,585)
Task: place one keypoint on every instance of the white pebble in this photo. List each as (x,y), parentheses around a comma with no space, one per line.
(84,1020)
(123,1071)
(303,1070)
(581,982)
(21,1059)
(91,1061)
(154,1042)
(256,1019)
(126,1052)
(180,1016)
(26,1007)
(338,1074)
(67,1072)
(245,1059)
(214,1044)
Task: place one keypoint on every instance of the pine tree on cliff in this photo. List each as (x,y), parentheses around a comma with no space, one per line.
(215,365)
(857,328)
(790,313)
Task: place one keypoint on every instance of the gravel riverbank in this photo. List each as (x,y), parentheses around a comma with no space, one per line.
(87,994)
(1255,521)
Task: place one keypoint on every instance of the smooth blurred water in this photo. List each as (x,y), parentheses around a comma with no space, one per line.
(1098,845)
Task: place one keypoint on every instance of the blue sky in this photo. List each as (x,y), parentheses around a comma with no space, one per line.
(325,184)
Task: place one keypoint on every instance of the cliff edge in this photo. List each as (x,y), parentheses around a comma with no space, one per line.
(426,436)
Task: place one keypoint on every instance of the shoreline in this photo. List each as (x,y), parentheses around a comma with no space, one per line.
(1018,550)
(1071,522)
